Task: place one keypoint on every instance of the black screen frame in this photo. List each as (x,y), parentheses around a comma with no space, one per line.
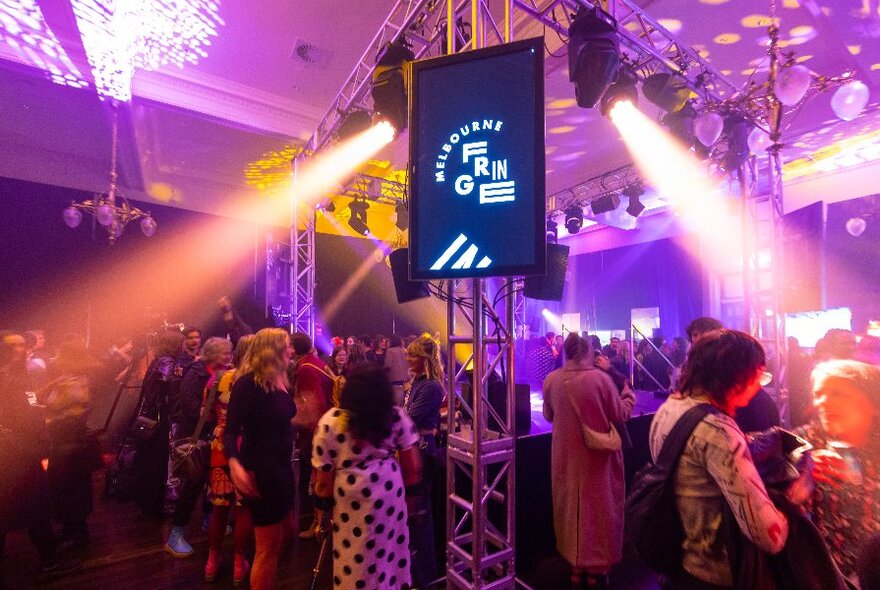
(539,267)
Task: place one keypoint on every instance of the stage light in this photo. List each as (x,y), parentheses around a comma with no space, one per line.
(402,217)
(327,205)
(667,91)
(358,220)
(623,90)
(605,203)
(574,219)
(681,124)
(635,207)
(552,231)
(355,122)
(593,54)
(389,84)
(737,129)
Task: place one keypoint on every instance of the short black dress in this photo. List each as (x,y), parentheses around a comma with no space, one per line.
(263,420)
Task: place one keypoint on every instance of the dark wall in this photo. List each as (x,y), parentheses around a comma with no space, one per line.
(605,286)
(853,263)
(71,280)
(355,293)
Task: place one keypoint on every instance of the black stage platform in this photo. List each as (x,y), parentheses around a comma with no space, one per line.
(534,511)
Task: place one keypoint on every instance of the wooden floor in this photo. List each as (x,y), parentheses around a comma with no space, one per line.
(126,553)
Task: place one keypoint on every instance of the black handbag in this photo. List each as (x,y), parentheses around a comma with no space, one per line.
(144,428)
(191,456)
(653,524)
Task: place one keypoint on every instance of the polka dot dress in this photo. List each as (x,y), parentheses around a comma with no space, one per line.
(370,536)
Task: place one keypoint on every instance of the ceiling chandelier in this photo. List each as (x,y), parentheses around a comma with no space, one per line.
(110,209)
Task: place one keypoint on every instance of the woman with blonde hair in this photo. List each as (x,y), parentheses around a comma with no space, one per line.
(422,404)
(261,411)
(221,492)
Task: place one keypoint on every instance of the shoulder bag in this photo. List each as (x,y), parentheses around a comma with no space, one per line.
(190,457)
(653,524)
(593,439)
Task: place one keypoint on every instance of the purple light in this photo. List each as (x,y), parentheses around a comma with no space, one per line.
(120,37)
(24,29)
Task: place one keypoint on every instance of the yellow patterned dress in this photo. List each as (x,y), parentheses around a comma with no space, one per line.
(221,492)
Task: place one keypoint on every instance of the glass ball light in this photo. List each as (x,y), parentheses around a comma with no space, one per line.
(104,214)
(72,217)
(148,226)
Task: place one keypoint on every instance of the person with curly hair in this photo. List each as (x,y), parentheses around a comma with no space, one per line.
(367,489)
(846,441)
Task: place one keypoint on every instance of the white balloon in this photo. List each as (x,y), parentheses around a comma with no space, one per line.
(759,141)
(708,128)
(792,84)
(849,100)
(856,226)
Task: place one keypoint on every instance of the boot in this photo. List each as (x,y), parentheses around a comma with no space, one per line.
(312,531)
(176,544)
(213,565)
(240,570)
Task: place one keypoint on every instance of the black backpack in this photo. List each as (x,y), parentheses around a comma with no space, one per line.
(653,524)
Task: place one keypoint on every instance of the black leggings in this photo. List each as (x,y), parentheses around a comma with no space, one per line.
(40,534)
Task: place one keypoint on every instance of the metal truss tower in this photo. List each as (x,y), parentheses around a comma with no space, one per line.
(481,445)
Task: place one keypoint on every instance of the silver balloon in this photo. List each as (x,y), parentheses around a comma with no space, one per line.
(72,217)
(849,100)
(856,226)
(104,214)
(792,84)
(759,141)
(708,128)
(148,226)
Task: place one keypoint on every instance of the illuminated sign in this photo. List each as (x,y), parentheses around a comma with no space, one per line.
(477,164)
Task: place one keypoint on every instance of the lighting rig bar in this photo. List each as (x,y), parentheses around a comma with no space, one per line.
(404,20)
(651,48)
(614,181)
(376,189)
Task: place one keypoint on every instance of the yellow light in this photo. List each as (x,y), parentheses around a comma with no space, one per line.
(854,49)
(670,24)
(727,39)
(756,21)
(561,103)
(561,129)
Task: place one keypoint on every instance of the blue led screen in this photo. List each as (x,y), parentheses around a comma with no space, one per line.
(477,164)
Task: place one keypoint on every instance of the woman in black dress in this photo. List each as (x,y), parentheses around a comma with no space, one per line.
(261,410)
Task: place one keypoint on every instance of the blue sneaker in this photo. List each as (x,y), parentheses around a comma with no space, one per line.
(177,545)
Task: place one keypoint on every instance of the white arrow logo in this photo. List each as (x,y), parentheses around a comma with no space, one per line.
(466,260)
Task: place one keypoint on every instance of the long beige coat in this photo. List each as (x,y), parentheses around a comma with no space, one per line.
(588,485)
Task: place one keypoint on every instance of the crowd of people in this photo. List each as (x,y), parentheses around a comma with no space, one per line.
(221,420)
(802,505)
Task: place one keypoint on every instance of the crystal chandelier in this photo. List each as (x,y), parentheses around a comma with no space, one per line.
(110,209)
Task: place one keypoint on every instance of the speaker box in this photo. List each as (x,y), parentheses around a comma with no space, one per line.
(549,286)
(405,289)
(522,409)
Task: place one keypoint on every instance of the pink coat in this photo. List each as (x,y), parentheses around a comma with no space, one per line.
(588,484)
